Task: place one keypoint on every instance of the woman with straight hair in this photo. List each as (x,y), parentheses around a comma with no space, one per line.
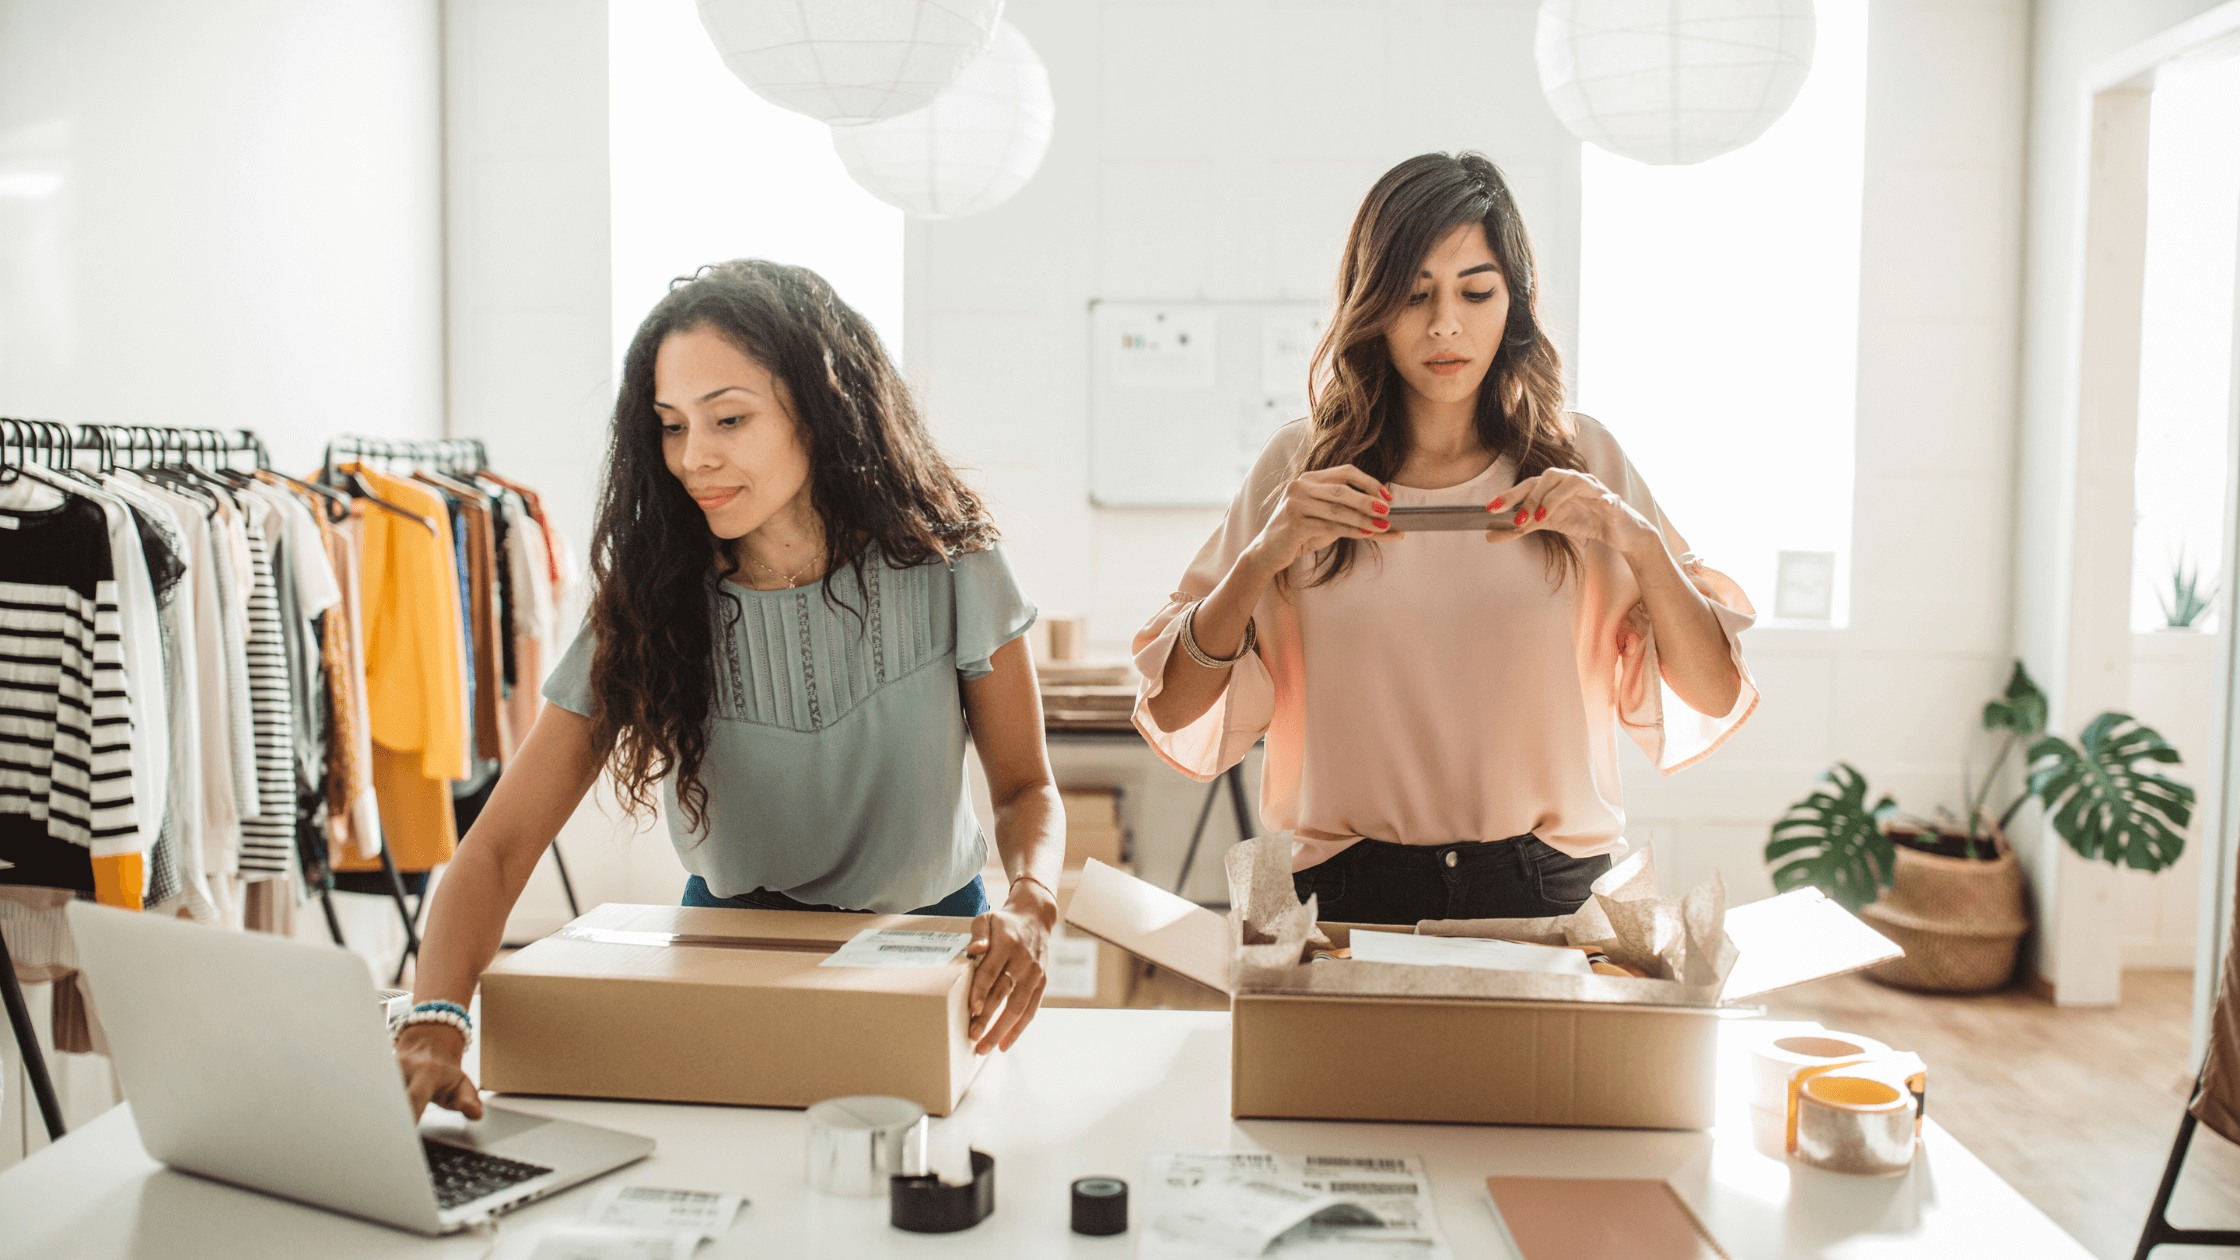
(1441,709)
(797,609)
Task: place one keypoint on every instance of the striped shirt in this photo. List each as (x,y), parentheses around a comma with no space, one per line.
(268,840)
(65,708)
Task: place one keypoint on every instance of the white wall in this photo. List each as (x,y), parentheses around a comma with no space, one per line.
(1179,171)
(222,214)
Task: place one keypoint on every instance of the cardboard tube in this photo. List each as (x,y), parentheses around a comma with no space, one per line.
(1774,1064)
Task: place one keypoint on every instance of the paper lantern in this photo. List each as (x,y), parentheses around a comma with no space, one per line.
(850,61)
(978,143)
(1671,82)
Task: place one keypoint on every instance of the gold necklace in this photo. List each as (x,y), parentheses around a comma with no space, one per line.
(790,579)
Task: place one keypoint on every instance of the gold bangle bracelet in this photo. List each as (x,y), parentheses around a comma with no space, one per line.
(1189,640)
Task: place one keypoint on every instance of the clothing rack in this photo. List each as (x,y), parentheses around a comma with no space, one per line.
(456,456)
(59,446)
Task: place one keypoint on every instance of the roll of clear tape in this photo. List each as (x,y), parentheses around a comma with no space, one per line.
(1855,1124)
(1776,1063)
(858,1145)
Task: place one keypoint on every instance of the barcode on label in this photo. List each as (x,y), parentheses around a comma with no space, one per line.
(651,1194)
(1345,1161)
(916,949)
(1371,1187)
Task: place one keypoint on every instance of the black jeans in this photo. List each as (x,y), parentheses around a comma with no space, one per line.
(1374,881)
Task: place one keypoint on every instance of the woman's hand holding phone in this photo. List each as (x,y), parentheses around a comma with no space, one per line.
(1318,509)
(1572,503)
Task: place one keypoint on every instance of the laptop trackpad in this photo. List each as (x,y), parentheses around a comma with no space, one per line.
(497,1125)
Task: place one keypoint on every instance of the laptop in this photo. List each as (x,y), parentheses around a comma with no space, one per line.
(265,1063)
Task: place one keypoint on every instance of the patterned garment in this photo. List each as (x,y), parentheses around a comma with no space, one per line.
(65,710)
(268,840)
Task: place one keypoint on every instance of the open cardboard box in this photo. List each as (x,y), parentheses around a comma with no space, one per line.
(680,1004)
(1377,1041)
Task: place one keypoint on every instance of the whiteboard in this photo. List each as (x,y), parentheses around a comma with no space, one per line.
(1183,395)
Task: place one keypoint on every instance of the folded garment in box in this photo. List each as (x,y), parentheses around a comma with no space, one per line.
(681,1004)
(1383,1041)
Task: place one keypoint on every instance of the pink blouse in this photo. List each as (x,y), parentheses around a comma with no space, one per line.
(1443,690)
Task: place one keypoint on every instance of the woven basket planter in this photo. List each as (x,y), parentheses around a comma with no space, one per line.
(1960,921)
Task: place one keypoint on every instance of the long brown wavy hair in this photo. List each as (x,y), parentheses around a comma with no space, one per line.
(880,488)
(1358,409)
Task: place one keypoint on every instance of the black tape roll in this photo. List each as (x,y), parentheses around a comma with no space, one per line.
(1100,1206)
(929,1205)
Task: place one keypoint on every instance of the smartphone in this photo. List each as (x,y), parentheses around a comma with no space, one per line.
(1449,516)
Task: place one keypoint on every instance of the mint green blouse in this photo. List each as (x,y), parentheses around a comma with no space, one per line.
(835,763)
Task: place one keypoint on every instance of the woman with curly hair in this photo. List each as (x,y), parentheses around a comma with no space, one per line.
(798,609)
(1441,708)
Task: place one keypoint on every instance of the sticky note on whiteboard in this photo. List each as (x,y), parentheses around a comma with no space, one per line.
(1164,349)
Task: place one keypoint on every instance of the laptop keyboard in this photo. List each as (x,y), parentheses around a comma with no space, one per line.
(462,1176)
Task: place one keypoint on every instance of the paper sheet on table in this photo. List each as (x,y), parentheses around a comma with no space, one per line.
(889,947)
(702,1213)
(577,1241)
(1463,951)
(1204,1205)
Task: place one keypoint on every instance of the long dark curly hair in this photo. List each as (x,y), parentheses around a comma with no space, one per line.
(1357,400)
(880,488)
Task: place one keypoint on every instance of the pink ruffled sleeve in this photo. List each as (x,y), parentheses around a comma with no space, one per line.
(1221,736)
(1671,734)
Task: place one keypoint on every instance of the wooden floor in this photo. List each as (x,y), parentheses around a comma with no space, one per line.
(2075,1108)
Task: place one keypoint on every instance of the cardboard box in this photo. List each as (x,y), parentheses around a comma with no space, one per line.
(1093,827)
(1084,971)
(1375,1041)
(678,1004)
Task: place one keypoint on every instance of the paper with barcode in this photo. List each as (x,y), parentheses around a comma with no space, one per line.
(575,1241)
(701,1213)
(1207,1205)
(889,947)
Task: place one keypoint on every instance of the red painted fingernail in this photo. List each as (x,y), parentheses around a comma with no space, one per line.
(1494,506)
(1379,508)
(1522,514)
(1384,524)
(1386,491)
(1368,531)
(1540,515)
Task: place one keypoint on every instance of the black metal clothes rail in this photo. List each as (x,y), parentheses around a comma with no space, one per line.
(445,455)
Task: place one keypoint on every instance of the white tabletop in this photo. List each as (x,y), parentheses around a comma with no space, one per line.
(1086,1092)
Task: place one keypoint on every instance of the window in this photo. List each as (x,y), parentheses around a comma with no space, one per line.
(1718,329)
(705,171)
(2185,329)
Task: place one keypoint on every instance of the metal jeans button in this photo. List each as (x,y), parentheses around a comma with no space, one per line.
(1451,859)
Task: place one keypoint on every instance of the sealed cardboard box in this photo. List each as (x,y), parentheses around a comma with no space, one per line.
(680,1004)
(1356,1040)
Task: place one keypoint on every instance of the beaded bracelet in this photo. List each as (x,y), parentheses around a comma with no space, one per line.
(440,1005)
(450,1018)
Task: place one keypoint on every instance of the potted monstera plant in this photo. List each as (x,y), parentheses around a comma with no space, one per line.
(1949,890)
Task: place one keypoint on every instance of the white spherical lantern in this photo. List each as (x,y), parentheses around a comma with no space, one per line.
(850,61)
(1670,82)
(978,143)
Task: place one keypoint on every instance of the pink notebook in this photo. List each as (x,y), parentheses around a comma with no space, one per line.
(1588,1218)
